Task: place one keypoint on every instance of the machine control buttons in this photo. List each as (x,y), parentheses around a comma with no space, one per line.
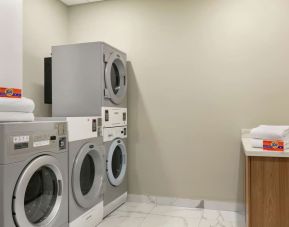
(62,143)
(94,128)
(52,137)
(106,115)
(123,131)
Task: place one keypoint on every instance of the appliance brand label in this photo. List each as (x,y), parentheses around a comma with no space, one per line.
(20,139)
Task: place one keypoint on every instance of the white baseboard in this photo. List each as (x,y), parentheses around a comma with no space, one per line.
(90,218)
(190,203)
(115,204)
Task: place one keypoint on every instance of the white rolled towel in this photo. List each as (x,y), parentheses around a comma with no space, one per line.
(258,143)
(23,104)
(16,117)
(270,132)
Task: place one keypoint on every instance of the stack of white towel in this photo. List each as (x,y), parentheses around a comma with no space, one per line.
(269,132)
(16,110)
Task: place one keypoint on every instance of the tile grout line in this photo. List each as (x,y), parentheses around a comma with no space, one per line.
(148,214)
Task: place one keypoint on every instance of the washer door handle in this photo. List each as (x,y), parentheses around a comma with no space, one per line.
(124,159)
(59,182)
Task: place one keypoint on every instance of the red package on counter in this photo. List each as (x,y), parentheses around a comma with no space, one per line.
(273,145)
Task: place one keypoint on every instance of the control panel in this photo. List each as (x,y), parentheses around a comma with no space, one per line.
(114,117)
(110,134)
(52,140)
(81,128)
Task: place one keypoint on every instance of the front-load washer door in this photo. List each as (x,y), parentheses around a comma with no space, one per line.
(87,177)
(116,162)
(38,193)
(115,79)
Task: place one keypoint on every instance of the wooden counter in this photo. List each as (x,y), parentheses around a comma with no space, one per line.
(267,187)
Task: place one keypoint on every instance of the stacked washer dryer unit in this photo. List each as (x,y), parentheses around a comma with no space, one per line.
(86,171)
(87,78)
(90,79)
(34,170)
(114,137)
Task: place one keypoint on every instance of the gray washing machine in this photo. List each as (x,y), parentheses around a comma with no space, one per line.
(86,172)
(115,193)
(34,174)
(87,77)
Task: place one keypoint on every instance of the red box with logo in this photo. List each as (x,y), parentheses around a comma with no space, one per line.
(273,145)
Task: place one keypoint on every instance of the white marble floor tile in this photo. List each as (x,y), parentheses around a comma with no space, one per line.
(232,216)
(134,214)
(211,214)
(235,219)
(214,218)
(164,221)
(182,212)
(215,223)
(137,207)
(239,224)
(123,219)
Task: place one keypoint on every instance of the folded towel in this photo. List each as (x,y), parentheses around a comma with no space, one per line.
(16,117)
(17,105)
(258,143)
(270,132)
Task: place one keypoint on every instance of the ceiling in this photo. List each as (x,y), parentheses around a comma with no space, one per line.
(77,2)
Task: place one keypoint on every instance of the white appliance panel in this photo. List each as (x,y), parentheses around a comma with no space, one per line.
(110,134)
(114,117)
(80,128)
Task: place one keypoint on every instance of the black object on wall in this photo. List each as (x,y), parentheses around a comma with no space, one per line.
(48,80)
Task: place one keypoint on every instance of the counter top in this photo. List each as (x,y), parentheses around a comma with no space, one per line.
(251,151)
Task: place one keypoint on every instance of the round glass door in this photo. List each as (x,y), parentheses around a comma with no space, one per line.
(116,162)
(41,194)
(87,174)
(38,193)
(87,178)
(115,78)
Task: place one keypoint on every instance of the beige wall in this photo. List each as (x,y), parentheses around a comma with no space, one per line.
(45,24)
(200,71)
